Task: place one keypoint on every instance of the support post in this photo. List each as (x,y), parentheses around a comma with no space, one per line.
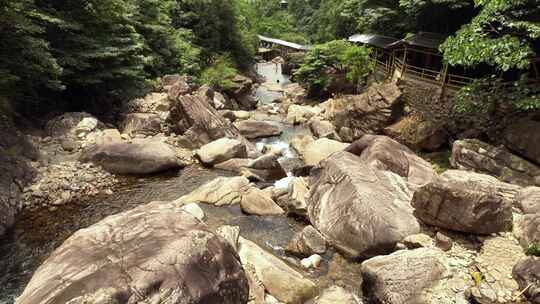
(404,67)
(443,80)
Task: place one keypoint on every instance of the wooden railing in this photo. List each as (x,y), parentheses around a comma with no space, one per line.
(440,78)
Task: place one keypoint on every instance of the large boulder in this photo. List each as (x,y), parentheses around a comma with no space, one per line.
(405,276)
(482,182)
(529,230)
(221,150)
(156,103)
(264,168)
(527,274)
(384,153)
(294,199)
(141,123)
(522,138)
(297,114)
(528,200)
(295,93)
(462,207)
(368,113)
(307,242)
(177,86)
(156,253)
(320,149)
(253,129)
(216,99)
(323,129)
(222,191)
(417,133)
(72,124)
(299,143)
(256,202)
(475,155)
(336,294)
(279,279)
(360,210)
(199,122)
(141,156)
(241,91)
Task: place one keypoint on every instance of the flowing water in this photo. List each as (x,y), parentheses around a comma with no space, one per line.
(38,233)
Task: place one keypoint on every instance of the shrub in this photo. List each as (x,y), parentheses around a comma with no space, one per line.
(534,249)
(220,74)
(326,61)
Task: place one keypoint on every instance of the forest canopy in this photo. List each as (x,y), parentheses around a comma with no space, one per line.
(113,49)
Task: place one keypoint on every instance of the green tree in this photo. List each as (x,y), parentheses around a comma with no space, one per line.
(166,50)
(220,74)
(26,62)
(326,61)
(504,34)
(97,45)
(216,28)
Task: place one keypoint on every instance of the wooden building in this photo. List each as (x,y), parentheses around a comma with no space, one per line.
(418,58)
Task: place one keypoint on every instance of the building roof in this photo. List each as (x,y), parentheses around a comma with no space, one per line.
(373,39)
(426,39)
(285,43)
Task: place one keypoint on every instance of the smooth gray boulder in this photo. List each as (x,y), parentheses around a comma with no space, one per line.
(279,279)
(72,124)
(462,207)
(307,242)
(475,155)
(264,168)
(358,209)
(253,129)
(528,200)
(527,274)
(156,253)
(221,150)
(199,123)
(335,295)
(256,202)
(222,191)
(384,153)
(529,230)
(404,277)
(367,113)
(323,129)
(141,123)
(141,156)
(320,149)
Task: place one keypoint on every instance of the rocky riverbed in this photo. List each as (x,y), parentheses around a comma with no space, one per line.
(258,195)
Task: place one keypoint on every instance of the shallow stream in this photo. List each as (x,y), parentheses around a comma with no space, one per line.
(38,233)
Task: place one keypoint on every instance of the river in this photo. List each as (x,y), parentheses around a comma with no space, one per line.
(37,233)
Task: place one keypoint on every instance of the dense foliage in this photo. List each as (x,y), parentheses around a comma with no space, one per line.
(505,35)
(326,63)
(106,50)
